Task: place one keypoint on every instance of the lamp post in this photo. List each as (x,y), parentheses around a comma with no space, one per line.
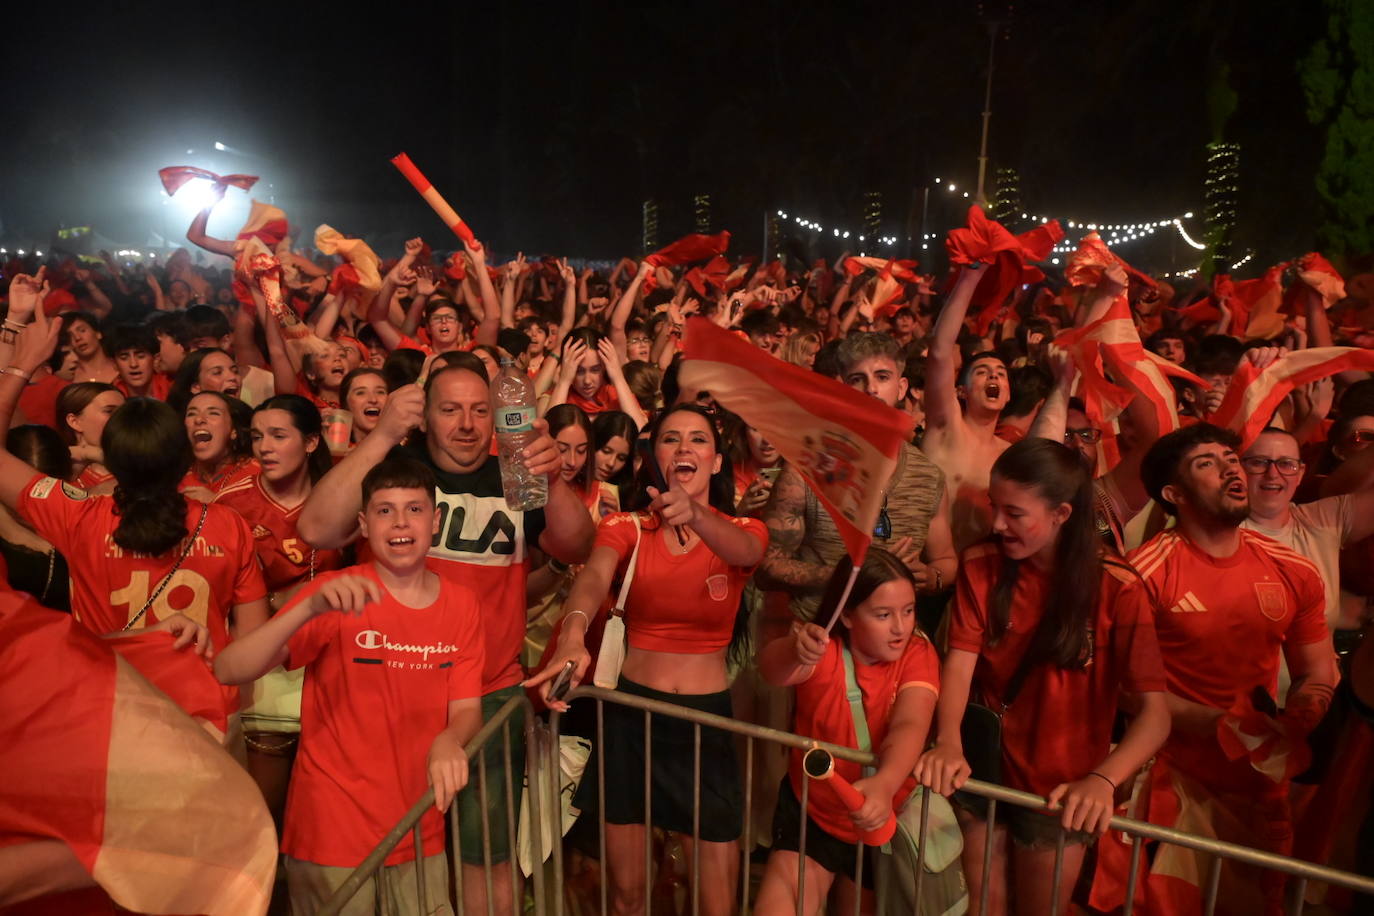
(980,196)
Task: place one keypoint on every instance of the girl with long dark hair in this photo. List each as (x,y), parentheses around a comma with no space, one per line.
(34,565)
(208,369)
(694,558)
(1049,635)
(614,435)
(364,393)
(898,675)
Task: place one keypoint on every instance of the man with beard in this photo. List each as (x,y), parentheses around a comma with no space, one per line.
(1226,601)
(962,442)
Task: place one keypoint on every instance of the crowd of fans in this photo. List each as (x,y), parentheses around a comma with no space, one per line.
(288,462)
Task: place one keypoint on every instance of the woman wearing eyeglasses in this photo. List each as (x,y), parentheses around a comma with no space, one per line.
(1318,530)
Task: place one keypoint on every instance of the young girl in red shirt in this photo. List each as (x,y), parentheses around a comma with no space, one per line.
(1053,638)
(898,673)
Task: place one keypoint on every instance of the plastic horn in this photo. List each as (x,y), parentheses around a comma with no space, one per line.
(820,765)
(434,199)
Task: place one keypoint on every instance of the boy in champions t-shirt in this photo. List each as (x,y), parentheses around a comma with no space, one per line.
(394,656)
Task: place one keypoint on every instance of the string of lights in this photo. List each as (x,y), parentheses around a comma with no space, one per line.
(1113,234)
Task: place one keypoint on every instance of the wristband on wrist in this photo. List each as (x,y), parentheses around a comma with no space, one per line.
(587,620)
(1103,778)
(15,370)
(560,567)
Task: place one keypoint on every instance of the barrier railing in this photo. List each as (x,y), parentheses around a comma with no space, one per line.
(545,795)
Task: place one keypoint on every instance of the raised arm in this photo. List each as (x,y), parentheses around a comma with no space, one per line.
(941,402)
(489,326)
(103,305)
(196,235)
(329,518)
(33,347)
(1319,331)
(570,294)
(624,305)
(611,359)
(513,270)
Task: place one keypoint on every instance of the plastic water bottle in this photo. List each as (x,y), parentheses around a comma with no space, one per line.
(512,405)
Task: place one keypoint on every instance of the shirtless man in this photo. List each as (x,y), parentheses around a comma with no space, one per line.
(961,440)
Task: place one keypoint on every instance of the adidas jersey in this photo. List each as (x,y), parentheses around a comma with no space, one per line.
(286,559)
(1222,621)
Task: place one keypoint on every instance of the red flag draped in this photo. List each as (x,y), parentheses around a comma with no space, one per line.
(844,443)
(1254,395)
(95,757)
(1007,258)
(174,176)
(713,275)
(689,248)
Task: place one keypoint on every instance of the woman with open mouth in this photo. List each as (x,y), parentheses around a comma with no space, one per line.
(208,369)
(692,559)
(217,427)
(365,395)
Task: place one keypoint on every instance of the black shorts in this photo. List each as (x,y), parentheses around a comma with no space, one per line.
(722,800)
(1029,828)
(836,856)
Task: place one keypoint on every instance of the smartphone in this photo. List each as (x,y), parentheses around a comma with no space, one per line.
(563,682)
(770,474)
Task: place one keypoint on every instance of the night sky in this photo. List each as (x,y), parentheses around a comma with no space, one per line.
(547,128)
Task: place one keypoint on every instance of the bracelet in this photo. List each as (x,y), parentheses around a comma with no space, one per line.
(14,326)
(584,616)
(559,567)
(15,370)
(1103,778)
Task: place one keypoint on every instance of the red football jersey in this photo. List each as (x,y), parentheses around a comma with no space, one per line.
(677,603)
(377,692)
(110,585)
(234,474)
(1222,622)
(823,713)
(287,560)
(1060,725)
(157,389)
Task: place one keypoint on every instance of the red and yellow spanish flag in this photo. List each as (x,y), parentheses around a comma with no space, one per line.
(1255,394)
(99,760)
(843,442)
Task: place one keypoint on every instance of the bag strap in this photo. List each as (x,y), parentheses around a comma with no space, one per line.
(856,702)
(1018,679)
(619,610)
(186,551)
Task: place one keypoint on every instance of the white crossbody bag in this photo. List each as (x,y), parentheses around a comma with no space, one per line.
(611,658)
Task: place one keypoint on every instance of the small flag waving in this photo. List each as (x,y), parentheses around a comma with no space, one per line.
(988,242)
(174,176)
(842,442)
(1255,394)
(95,757)
(689,248)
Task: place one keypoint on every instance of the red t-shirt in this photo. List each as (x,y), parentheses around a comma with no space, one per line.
(1221,624)
(234,475)
(39,400)
(110,584)
(286,559)
(823,713)
(157,389)
(483,545)
(1060,724)
(677,603)
(605,399)
(304,390)
(377,692)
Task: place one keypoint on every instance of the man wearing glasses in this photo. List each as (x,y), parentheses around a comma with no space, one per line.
(1317,530)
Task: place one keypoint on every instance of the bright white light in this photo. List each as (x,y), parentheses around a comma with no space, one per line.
(846,235)
(220,146)
(38,254)
(1054,260)
(3,251)
(861,238)
(1186,237)
(21,252)
(837,233)
(937,181)
(1188,215)
(1044,219)
(190,152)
(1023,216)
(924,245)
(966,193)
(1071,225)
(951,186)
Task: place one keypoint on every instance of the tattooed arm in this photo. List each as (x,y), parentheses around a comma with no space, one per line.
(1313,668)
(785,516)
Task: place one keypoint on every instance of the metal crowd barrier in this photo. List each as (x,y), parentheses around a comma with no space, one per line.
(546,797)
